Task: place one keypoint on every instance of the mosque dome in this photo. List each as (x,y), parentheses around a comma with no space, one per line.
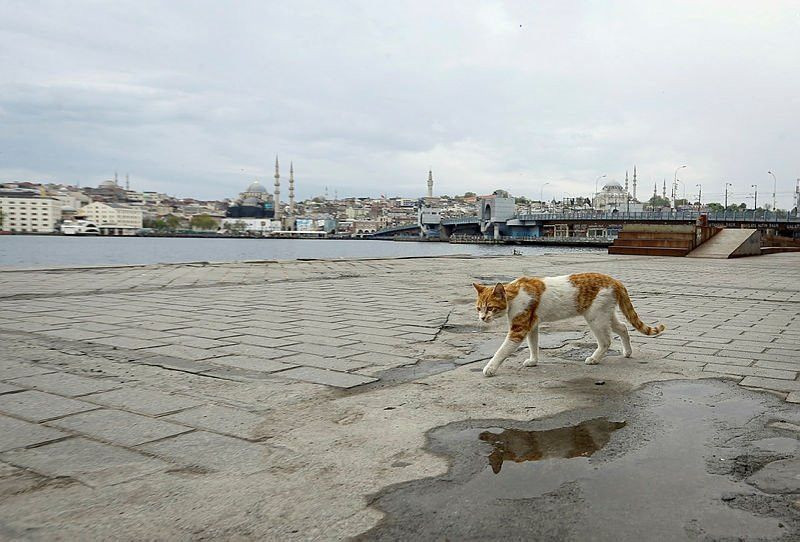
(255,187)
(613,185)
(251,202)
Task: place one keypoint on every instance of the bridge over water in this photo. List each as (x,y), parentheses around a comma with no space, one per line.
(585,224)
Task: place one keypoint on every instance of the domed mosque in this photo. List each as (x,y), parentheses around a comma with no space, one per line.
(613,196)
(257,202)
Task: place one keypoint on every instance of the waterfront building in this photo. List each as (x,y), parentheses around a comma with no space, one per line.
(27,211)
(321,223)
(112,218)
(257,226)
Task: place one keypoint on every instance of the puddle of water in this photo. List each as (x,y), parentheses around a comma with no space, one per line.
(672,474)
(580,440)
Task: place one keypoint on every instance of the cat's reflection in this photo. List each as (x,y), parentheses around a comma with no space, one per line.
(581,440)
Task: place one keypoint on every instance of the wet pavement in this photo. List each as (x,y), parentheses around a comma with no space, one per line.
(673,461)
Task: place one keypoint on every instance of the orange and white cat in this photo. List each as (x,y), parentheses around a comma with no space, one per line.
(528,301)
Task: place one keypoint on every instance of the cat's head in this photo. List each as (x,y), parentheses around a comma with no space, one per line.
(491,301)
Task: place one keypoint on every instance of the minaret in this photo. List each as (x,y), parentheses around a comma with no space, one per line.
(634,183)
(127,182)
(277,196)
(116,181)
(291,189)
(430,183)
(655,189)
(626,182)
(664,190)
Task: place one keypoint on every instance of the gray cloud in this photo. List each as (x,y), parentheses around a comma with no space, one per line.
(195,98)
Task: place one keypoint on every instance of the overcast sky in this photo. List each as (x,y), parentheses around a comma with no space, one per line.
(196,98)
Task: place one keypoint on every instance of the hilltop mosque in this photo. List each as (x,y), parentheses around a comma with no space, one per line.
(614,197)
(257,202)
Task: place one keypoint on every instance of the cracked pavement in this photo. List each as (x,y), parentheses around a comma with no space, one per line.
(271,399)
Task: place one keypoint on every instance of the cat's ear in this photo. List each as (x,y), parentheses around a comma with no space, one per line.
(499,291)
(479,287)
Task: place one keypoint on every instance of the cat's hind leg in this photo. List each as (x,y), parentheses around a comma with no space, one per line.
(622,331)
(600,324)
(533,345)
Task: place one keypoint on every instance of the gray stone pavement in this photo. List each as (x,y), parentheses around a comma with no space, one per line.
(250,398)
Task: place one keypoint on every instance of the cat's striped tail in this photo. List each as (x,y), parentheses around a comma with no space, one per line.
(625,305)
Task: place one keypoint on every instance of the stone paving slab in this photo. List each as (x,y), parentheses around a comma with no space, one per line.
(334,364)
(186,352)
(252,350)
(119,427)
(129,343)
(253,363)
(143,401)
(92,463)
(229,421)
(329,378)
(75,334)
(66,384)
(217,453)
(38,406)
(10,370)
(18,434)
(8,388)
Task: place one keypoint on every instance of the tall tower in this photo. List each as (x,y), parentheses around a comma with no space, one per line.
(626,181)
(634,183)
(277,197)
(655,190)
(127,182)
(664,190)
(291,189)
(430,183)
(116,180)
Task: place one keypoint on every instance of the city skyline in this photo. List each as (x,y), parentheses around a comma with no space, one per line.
(366,99)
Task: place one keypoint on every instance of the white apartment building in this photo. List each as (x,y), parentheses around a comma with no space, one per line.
(28,212)
(112,215)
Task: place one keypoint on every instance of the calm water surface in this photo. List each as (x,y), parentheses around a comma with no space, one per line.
(55,251)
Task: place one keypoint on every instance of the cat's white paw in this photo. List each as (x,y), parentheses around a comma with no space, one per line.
(488,371)
(590,361)
(530,362)
(628,354)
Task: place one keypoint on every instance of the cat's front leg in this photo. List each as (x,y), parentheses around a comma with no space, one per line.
(533,345)
(506,349)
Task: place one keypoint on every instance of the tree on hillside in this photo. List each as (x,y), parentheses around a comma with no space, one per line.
(716,207)
(235,228)
(154,224)
(172,222)
(658,201)
(203,222)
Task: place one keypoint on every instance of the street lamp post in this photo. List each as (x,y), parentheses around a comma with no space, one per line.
(755,198)
(699,195)
(774,189)
(726,194)
(594,199)
(541,192)
(675,185)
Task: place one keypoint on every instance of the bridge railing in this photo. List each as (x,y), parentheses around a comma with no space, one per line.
(673,216)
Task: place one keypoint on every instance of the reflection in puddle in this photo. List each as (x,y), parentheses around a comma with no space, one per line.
(580,440)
